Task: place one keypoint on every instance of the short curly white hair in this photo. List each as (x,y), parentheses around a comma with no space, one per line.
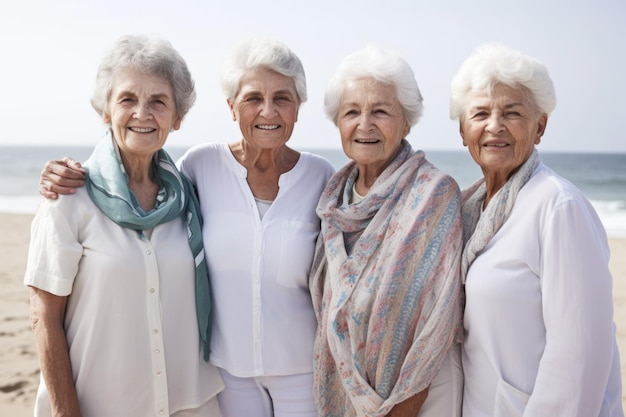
(493,64)
(150,55)
(262,53)
(384,66)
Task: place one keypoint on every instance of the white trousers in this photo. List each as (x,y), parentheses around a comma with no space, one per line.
(267,396)
(445,396)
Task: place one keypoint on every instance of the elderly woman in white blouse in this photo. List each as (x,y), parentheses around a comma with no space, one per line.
(539,333)
(120,296)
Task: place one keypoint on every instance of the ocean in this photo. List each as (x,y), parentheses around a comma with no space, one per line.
(601,177)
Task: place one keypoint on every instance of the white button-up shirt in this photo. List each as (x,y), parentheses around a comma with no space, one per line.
(130,321)
(259,268)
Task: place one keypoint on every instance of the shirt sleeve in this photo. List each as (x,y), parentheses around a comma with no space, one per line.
(578,313)
(54,251)
(183,166)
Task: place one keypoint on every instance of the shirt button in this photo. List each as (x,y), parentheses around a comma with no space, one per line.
(148,252)
(155,331)
(161,412)
(157,351)
(159,373)
(152,290)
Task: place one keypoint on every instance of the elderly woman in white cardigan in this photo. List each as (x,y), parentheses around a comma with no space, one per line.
(539,332)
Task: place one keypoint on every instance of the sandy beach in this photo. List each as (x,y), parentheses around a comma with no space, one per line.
(19,371)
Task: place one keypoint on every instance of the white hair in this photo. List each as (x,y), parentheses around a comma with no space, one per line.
(262,53)
(381,65)
(493,64)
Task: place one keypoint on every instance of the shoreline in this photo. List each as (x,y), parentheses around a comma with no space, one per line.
(19,367)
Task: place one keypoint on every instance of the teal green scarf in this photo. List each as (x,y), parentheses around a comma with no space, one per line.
(107,184)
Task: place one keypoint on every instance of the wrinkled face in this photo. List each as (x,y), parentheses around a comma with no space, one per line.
(501,130)
(141,111)
(371,123)
(266,108)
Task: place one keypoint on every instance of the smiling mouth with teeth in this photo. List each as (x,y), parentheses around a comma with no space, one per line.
(141,129)
(268,127)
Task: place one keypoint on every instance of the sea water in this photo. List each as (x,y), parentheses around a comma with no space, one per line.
(601,177)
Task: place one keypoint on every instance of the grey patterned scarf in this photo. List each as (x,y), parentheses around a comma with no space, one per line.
(479,229)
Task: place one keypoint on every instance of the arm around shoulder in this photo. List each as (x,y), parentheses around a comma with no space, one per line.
(61,177)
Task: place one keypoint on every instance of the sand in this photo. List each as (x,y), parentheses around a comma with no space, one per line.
(19,370)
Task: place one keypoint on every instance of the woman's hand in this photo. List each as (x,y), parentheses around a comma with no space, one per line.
(410,407)
(61,177)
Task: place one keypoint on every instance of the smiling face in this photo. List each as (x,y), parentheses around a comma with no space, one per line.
(371,124)
(266,108)
(501,130)
(141,111)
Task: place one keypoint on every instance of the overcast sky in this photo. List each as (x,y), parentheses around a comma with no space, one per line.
(50,50)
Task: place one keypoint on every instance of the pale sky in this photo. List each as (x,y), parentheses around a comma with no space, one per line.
(50,50)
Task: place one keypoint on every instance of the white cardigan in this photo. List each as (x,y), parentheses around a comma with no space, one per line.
(539,332)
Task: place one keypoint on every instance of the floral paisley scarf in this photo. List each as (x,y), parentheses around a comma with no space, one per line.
(386,286)
(107,184)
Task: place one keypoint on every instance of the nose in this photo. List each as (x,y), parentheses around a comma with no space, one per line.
(268,109)
(142,111)
(365,121)
(494,124)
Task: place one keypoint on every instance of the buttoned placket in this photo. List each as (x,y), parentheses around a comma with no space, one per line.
(159,377)
(256,281)
(258,248)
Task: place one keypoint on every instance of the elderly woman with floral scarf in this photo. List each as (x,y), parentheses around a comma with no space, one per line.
(539,332)
(385,282)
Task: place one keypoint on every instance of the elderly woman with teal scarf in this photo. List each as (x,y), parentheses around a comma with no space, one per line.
(120,296)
